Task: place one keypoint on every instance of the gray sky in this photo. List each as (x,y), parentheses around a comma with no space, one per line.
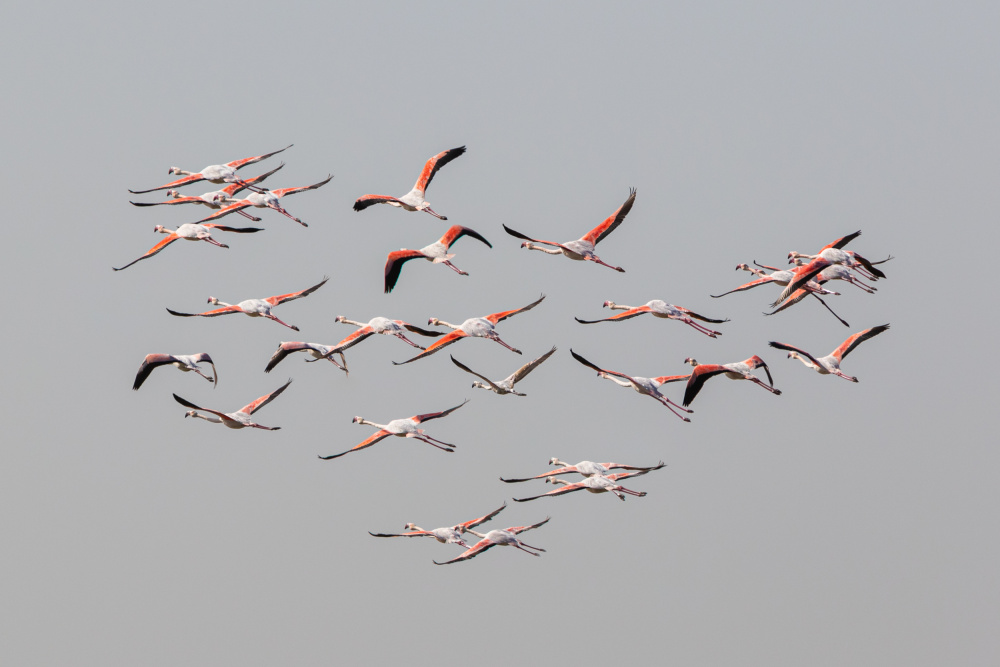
(835,524)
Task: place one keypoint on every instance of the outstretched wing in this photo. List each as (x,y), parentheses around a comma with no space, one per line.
(226,210)
(598,233)
(434,164)
(211,313)
(807,273)
(277,300)
(869,265)
(233,188)
(568,488)
(169,202)
(628,314)
(473,551)
(791,348)
(469,370)
(634,473)
(599,369)
(418,330)
(520,529)
(394,264)
(745,286)
(284,192)
(435,346)
(482,519)
(624,467)
(356,337)
(435,415)
(697,379)
(496,318)
(528,238)
(148,364)
(193,178)
(379,435)
(365,201)
(416,533)
(253,407)
(285,349)
(691,313)
(237,164)
(666,379)
(848,345)
(456,232)
(523,371)
(237,230)
(152,251)
(842,241)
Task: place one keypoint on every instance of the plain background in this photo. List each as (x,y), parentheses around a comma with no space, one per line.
(836,524)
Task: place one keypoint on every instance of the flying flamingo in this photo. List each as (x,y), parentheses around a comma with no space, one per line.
(378,325)
(830,364)
(585,468)
(477,327)
(238,419)
(503,538)
(445,535)
(436,252)
(254,307)
(778,277)
(828,255)
(505,386)
(265,199)
(739,370)
(414,199)
(185,362)
(189,231)
(595,484)
(216,173)
(315,349)
(803,292)
(583,249)
(403,428)
(213,199)
(647,386)
(659,309)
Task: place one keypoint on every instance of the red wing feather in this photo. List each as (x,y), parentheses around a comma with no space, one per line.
(365,201)
(394,265)
(435,346)
(698,378)
(484,519)
(496,318)
(848,345)
(473,551)
(152,251)
(251,408)
(456,232)
(432,166)
(379,435)
(237,164)
(628,314)
(435,415)
(284,192)
(277,300)
(842,241)
(598,233)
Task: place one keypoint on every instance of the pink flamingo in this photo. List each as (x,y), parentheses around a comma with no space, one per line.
(436,252)
(585,468)
(214,199)
(646,386)
(477,327)
(189,232)
(739,370)
(216,173)
(505,386)
(185,362)
(238,419)
(830,364)
(315,349)
(583,248)
(265,199)
(403,428)
(659,309)
(494,538)
(414,199)
(445,535)
(254,307)
(595,484)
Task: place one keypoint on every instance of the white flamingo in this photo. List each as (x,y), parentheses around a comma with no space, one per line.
(403,428)
(216,173)
(265,199)
(436,253)
(238,419)
(254,307)
(494,538)
(185,362)
(505,386)
(214,199)
(414,199)
(316,350)
(189,232)
(739,370)
(646,386)
(595,484)
(659,309)
(445,535)
(830,364)
(585,468)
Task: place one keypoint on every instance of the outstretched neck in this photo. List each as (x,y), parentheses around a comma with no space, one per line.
(476,533)
(343,319)
(214,420)
(215,302)
(616,306)
(557,462)
(556,480)
(435,322)
(361,420)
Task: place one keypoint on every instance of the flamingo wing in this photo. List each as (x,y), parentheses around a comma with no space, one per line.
(555,471)
(568,488)
(697,379)
(803,276)
(435,346)
(869,265)
(379,435)
(456,232)
(237,230)
(415,533)
(226,310)
(253,407)
(691,313)
(203,356)
(356,337)
(469,370)
(746,286)
(365,201)
(666,379)
(284,192)
(226,210)
(842,241)
(434,164)
(152,251)
(417,419)
(599,369)
(483,519)
(394,264)
(277,300)
(520,529)
(285,349)
(193,178)
(237,164)
(628,314)
(233,188)
(473,551)
(791,348)
(178,200)
(848,345)
(634,472)
(418,330)
(609,466)
(528,238)
(496,318)
(598,233)
(148,364)
(523,371)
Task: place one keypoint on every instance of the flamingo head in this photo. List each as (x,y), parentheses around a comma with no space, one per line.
(212,300)
(160,228)
(743,267)
(756,362)
(476,384)
(173,193)
(608,304)
(433,321)
(357,420)
(691,361)
(174,170)
(410,526)
(792,256)
(527,244)
(339,318)
(190,413)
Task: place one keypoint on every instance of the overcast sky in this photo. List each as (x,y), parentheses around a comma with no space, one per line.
(835,524)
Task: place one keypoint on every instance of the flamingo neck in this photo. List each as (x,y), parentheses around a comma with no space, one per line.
(616,306)
(347,321)
(214,420)
(476,533)
(365,421)
(436,322)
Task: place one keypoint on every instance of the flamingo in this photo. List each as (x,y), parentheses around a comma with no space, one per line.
(414,199)
(646,386)
(254,307)
(595,484)
(739,370)
(189,231)
(265,199)
(659,309)
(185,362)
(585,468)
(583,249)
(445,535)
(828,255)
(778,277)
(477,327)
(436,252)
(316,350)
(216,173)
(213,199)
(378,325)
(403,428)
(803,292)
(240,418)
(503,538)
(505,386)
(830,364)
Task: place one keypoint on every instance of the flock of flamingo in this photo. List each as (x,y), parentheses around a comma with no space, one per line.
(805,279)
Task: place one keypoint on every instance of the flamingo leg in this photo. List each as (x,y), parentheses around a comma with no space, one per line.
(531,547)
(407,340)
(455,268)
(272,317)
(639,494)
(595,258)
(288,215)
(428,441)
(254,218)
(757,381)
(496,338)
(214,242)
(250,186)
(705,330)
(825,305)
(428,209)
(667,402)
(845,376)
(334,362)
